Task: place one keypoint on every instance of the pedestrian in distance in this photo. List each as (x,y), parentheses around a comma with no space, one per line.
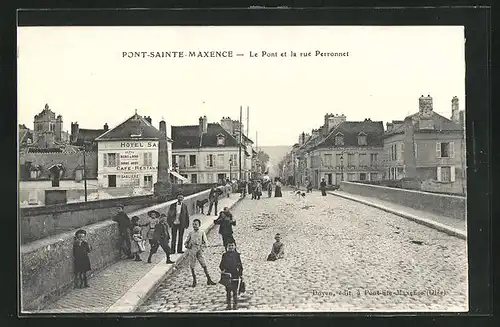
(322,187)
(309,187)
(258,191)
(81,258)
(277,188)
(159,236)
(226,223)
(231,274)
(278,249)
(178,220)
(196,242)
(213,198)
(124,228)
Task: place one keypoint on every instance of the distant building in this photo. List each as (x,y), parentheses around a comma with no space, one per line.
(128,155)
(86,137)
(209,152)
(429,147)
(25,137)
(47,129)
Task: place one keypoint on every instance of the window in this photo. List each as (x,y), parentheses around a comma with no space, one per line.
(194,178)
(148,181)
(182,161)
(362,159)
(351,177)
(373,159)
(34,174)
(111,180)
(373,176)
(350,159)
(174,161)
(210,160)
(220,160)
(339,139)
(192,160)
(148,159)
(52,127)
(220,139)
(362,139)
(234,160)
(111,159)
(362,176)
(328,160)
(446,174)
(445,150)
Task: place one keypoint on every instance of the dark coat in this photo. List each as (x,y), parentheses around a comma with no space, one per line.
(231,263)
(226,223)
(322,185)
(161,234)
(123,222)
(184,215)
(81,256)
(214,194)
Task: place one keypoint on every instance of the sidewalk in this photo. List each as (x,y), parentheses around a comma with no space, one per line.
(450,226)
(126,284)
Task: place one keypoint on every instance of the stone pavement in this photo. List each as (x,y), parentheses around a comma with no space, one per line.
(341,256)
(451,226)
(122,286)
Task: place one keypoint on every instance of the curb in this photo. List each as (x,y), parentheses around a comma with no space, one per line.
(422,221)
(133,299)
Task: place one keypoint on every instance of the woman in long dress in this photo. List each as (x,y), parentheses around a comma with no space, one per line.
(277,189)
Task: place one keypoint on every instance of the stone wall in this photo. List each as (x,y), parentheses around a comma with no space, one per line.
(47,265)
(446,205)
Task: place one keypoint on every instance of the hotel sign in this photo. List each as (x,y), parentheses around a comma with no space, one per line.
(135,145)
(129,161)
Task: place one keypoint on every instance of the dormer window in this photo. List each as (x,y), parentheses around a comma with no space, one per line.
(339,139)
(220,139)
(362,139)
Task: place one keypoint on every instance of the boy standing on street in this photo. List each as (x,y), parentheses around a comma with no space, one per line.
(226,223)
(231,267)
(196,242)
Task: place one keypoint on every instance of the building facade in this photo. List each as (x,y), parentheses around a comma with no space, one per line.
(128,155)
(429,147)
(210,152)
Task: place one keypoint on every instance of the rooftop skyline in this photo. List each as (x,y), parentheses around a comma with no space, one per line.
(82,76)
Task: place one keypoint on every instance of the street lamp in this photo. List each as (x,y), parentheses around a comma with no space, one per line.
(342,167)
(230,165)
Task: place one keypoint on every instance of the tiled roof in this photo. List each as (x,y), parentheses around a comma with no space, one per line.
(135,125)
(440,123)
(185,137)
(87,136)
(350,130)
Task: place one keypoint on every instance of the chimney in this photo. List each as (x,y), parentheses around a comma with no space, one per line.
(455,112)
(163,127)
(227,124)
(303,138)
(200,125)
(205,124)
(106,127)
(148,119)
(389,126)
(335,120)
(425,105)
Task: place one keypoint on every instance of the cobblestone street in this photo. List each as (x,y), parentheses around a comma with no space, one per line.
(340,255)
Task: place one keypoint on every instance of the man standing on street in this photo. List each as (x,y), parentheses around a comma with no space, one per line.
(322,187)
(178,219)
(124,227)
(213,198)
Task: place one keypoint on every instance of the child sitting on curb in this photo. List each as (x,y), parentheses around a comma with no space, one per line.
(278,249)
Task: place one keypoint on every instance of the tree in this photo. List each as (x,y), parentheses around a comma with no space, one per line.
(263,159)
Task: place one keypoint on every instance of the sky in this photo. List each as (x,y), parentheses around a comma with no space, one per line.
(80,72)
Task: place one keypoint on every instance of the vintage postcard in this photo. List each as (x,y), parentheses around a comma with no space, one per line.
(191,169)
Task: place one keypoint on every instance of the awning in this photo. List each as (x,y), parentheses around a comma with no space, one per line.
(179,176)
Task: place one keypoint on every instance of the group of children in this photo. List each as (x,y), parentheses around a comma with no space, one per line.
(156,231)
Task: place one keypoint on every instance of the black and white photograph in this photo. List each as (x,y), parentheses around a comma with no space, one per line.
(247,169)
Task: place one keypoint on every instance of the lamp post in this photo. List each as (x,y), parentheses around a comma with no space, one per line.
(230,166)
(85,170)
(342,167)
